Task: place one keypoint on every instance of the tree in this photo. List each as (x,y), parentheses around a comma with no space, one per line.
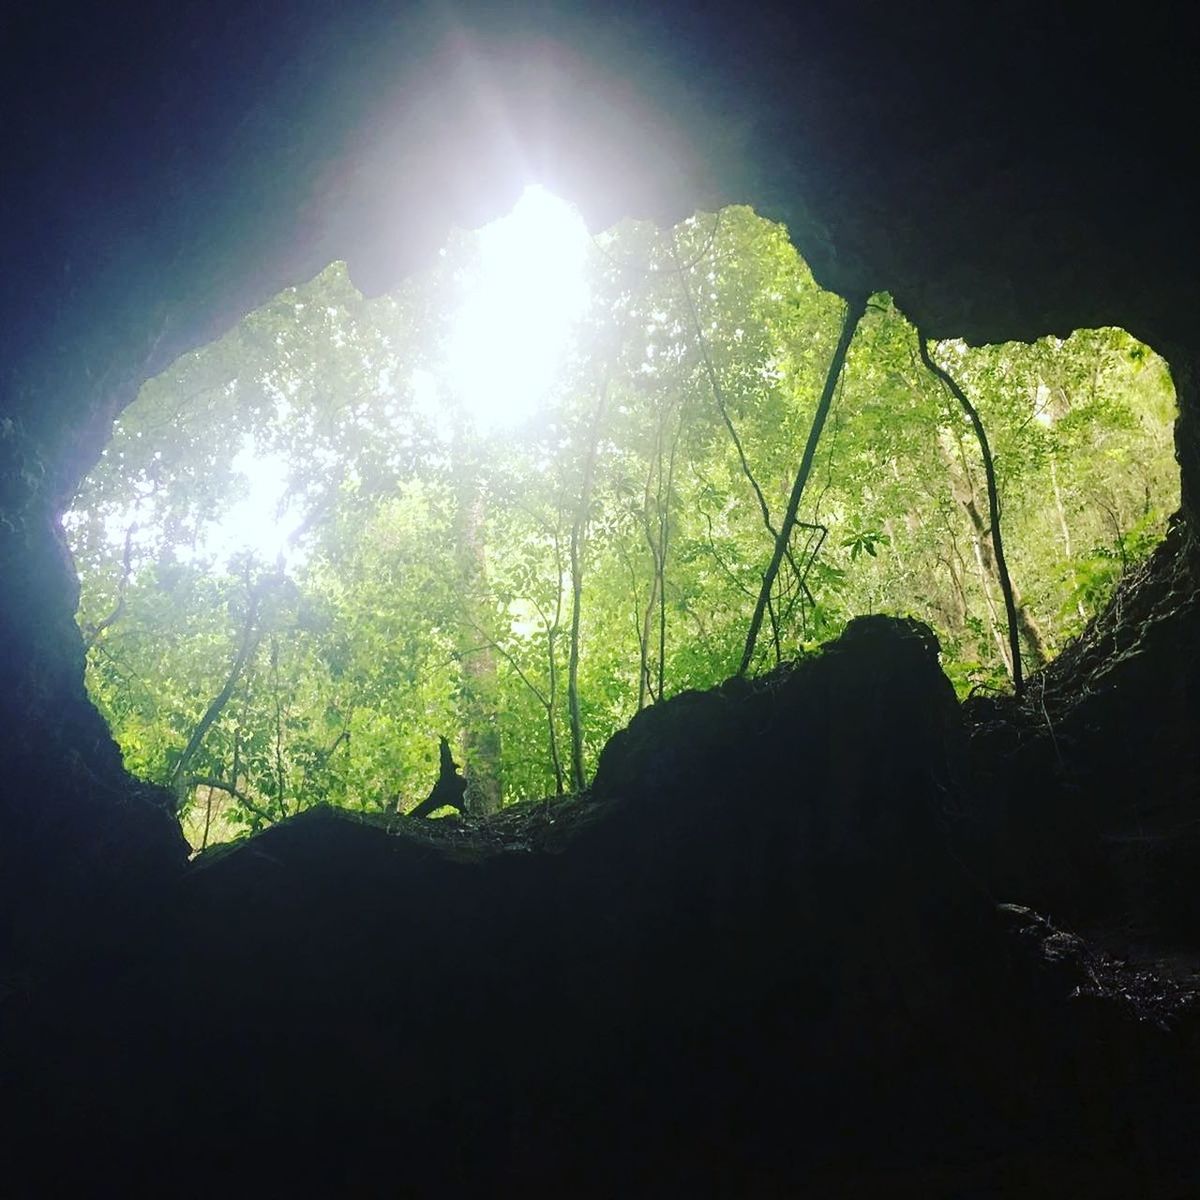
(995,562)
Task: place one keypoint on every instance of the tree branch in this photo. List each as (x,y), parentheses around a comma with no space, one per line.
(210,781)
(855,308)
(122,589)
(989,470)
(250,641)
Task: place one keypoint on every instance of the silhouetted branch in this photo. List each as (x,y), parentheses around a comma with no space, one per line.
(989,470)
(854,312)
(221,785)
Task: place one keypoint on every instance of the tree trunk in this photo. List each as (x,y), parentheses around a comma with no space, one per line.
(552,631)
(994,560)
(251,636)
(1027,625)
(1068,549)
(579,529)
(854,311)
(280,773)
(480,681)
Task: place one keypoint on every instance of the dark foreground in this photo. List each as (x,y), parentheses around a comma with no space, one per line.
(790,944)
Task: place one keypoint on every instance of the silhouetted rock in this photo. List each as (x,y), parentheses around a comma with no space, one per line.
(753,959)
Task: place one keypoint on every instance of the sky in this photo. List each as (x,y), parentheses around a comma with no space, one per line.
(521,299)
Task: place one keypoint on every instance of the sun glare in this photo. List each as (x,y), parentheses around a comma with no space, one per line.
(262,521)
(509,338)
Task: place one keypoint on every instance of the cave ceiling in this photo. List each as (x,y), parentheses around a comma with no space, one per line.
(1004,172)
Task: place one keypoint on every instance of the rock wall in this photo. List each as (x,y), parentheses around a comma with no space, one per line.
(753,961)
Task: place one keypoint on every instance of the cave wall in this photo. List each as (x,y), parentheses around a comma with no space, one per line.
(1004,173)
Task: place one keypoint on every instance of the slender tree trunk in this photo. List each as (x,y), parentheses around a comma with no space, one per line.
(280,775)
(963,488)
(235,769)
(855,308)
(551,727)
(579,530)
(889,527)
(664,545)
(575,716)
(1027,625)
(207,820)
(656,530)
(1065,528)
(251,637)
(956,584)
(646,617)
(552,632)
(999,564)
(208,808)
(645,678)
(1062,512)
(480,728)
(986,575)
(552,628)
(545,699)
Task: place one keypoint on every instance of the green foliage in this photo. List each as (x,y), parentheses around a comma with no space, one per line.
(426,586)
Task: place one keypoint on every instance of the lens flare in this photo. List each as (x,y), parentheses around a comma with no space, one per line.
(509,338)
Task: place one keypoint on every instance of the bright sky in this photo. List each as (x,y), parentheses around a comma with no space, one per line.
(261,521)
(509,338)
(507,344)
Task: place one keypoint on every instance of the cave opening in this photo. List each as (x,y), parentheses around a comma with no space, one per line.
(827,929)
(533,491)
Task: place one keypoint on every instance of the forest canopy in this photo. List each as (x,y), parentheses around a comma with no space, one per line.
(538,488)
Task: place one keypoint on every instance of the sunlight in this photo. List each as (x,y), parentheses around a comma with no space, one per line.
(261,521)
(509,338)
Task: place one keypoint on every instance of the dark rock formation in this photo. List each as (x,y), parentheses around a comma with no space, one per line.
(707,978)
(752,961)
